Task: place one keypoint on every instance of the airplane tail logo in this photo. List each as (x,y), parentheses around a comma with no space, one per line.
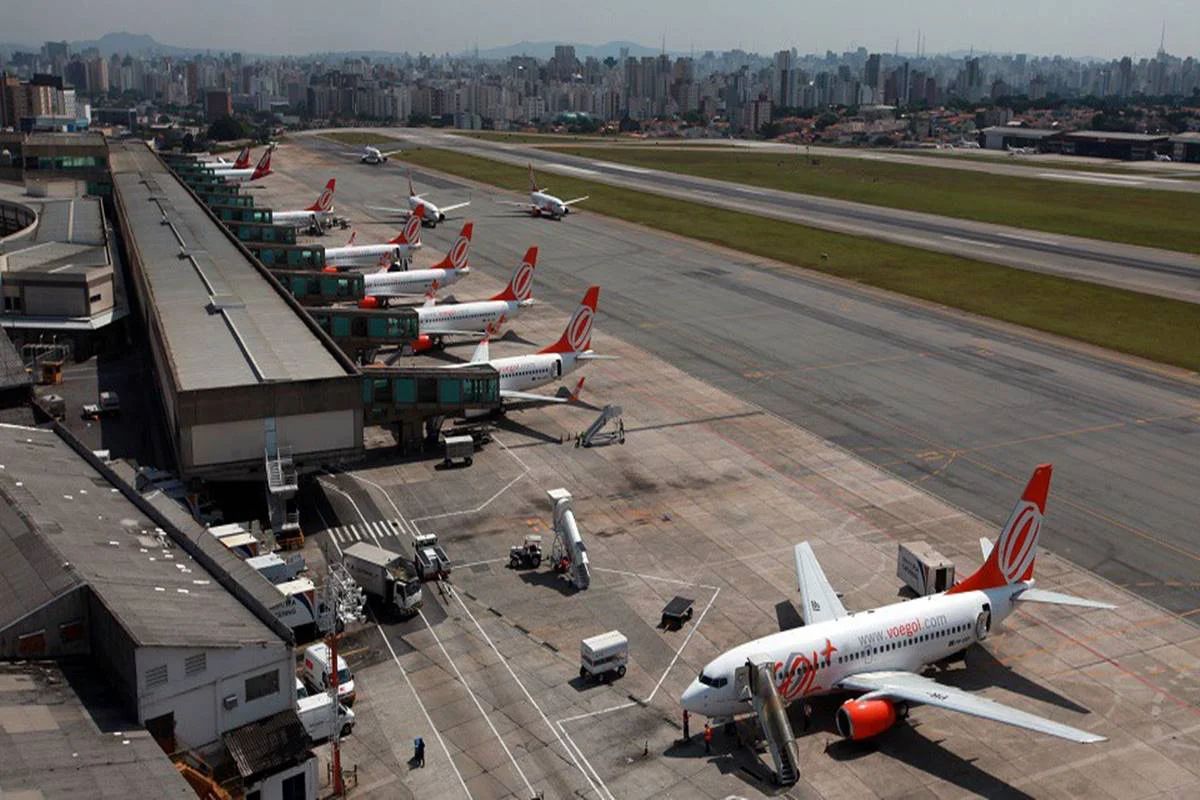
(325,201)
(264,166)
(456,258)
(1011,560)
(533,187)
(412,229)
(577,336)
(243,159)
(520,286)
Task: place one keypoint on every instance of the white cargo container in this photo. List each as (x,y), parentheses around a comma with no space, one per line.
(600,656)
(923,569)
(276,569)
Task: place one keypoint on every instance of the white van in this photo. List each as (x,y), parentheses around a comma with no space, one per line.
(316,714)
(315,671)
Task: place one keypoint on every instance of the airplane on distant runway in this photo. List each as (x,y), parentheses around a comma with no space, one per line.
(486,317)
(518,374)
(261,170)
(542,204)
(371,155)
(380,287)
(433,214)
(242,161)
(881,652)
(364,255)
(318,212)
(1021,151)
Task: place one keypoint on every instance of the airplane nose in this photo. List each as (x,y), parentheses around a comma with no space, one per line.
(692,698)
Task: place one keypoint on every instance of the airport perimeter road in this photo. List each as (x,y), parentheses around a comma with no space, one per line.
(959,406)
(1162,272)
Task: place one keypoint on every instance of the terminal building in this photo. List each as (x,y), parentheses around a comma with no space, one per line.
(1186,147)
(1112,144)
(1006,137)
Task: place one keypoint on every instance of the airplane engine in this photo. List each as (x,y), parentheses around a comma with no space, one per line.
(332,270)
(422,344)
(369,303)
(862,719)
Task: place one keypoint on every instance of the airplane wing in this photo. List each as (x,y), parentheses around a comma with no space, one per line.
(819,602)
(404,211)
(357,154)
(452,332)
(1032,595)
(576,200)
(914,688)
(389,153)
(455,207)
(529,397)
(596,357)
(526,204)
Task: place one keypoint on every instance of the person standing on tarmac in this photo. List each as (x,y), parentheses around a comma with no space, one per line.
(419,751)
(708,737)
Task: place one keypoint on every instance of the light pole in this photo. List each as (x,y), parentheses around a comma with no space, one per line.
(346,599)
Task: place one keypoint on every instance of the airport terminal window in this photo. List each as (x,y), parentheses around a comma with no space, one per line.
(404,390)
(262,685)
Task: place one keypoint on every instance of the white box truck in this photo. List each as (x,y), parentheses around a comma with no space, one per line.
(302,608)
(316,713)
(923,569)
(601,656)
(384,575)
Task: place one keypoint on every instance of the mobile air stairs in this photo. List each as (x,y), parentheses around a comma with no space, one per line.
(756,682)
(282,484)
(596,433)
(569,553)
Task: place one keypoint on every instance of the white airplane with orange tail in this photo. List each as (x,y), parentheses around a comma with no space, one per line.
(543,204)
(882,651)
(518,374)
(260,170)
(318,212)
(241,162)
(433,214)
(481,317)
(385,285)
(365,255)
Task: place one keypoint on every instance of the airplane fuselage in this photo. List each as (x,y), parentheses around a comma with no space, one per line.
(365,255)
(302,216)
(485,316)
(548,205)
(410,282)
(811,660)
(522,373)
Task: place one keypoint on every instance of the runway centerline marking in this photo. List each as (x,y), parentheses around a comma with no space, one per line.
(972,242)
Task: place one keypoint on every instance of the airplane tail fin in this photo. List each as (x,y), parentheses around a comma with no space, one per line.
(577,336)
(1011,560)
(533,187)
(520,285)
(412,229)
(456,256)
(243,159)
(325,201)
(577,391)
(264,166)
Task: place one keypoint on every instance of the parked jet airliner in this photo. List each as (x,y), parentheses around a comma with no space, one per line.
(318,212)
(261,170)
(542,204)
(389,284)
(433,214)
(881,652)
(486,317)
(364,255)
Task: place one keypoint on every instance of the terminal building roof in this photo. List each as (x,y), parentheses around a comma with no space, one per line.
(64,525)
(224,323)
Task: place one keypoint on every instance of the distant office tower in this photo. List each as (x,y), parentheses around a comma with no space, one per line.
(783,88)
(871,75)
(217,103)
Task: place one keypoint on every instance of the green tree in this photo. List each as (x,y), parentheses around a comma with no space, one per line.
(226,129)
(770,130)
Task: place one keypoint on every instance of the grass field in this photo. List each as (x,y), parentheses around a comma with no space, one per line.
(1143,325)
(1135,216)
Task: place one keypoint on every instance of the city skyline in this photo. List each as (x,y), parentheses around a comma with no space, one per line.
(301,27)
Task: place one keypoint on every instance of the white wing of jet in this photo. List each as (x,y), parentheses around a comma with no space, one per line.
(1032,595)
(819,602)
(455,207)
(404,211)
(918,689)
(530,397)
(576,200)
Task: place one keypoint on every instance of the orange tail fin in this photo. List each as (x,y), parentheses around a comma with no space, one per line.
(520,285)
(457,256)
(577,336)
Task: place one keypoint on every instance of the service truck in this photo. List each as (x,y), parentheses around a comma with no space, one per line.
(430,561)
(923,569)
(602,656)
(303,609)
(316,713)
(384,575)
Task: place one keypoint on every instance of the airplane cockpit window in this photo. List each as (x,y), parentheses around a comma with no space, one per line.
(715,683)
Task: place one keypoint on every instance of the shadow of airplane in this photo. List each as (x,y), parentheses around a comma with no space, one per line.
(787,616)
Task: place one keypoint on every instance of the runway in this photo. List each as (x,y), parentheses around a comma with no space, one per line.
(962,407)
(1162,272)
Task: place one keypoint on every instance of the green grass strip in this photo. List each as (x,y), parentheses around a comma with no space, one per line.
(1144,325)
(1111,213)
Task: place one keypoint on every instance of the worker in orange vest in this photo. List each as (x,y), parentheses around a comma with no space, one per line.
(707,737)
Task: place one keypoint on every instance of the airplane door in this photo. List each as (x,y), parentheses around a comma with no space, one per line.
(558,368)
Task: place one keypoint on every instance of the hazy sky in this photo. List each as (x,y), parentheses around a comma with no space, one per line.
(1070,27)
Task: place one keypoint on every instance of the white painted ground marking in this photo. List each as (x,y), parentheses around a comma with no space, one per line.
(569,168)
(1024,237)
(528,696)
(687,639)
(972,242)
(478,705)
(605,794)
(623,167)
(1115,180)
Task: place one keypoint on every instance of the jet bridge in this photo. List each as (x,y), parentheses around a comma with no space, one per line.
(756,682)
(569,553)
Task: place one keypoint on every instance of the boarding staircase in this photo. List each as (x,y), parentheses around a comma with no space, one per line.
(569,553)
(283,482)
(757,681)
(596,433)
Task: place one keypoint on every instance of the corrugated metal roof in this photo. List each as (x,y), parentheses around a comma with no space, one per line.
(265,340)
(1118,136)
(68,526)
(56,747)
(268,744)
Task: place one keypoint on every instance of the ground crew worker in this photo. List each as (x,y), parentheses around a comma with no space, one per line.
(686,735)
(419,751)
(707,737)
